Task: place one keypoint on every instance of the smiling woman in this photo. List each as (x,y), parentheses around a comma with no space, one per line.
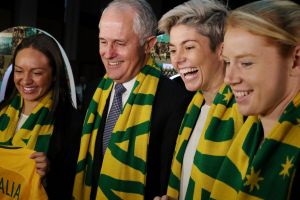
(31,115)
(246,73)
(32,77)
(262,57)
(211,122)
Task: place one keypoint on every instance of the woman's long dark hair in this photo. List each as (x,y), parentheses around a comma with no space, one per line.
(50,49)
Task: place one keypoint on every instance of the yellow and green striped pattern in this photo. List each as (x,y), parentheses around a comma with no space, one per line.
(123,172)
(36,131)
(255,170)
(221,126)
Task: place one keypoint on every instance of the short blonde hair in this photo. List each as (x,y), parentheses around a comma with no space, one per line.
(277,20)
(206,16)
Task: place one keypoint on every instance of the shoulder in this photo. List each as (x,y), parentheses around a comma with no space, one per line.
(90,88)
(170,97)
(172,90)
(88,92)
(67,118)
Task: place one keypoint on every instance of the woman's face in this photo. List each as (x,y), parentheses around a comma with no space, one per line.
(32,74)
(193,59)
(256,72)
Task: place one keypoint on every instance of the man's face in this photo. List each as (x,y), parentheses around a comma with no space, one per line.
(120,50)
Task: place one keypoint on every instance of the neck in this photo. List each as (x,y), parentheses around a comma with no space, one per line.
(28,107)
(267,124)
(213,85)
(210,94)
(270,119)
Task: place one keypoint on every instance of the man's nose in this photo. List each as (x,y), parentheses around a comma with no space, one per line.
(108,51)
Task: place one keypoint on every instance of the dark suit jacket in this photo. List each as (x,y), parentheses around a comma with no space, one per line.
(63,152)
(169,106)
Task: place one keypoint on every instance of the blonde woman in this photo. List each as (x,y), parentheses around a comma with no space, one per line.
(211,120)
(262,56)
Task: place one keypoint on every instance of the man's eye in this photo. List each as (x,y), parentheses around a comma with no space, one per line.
(226,63)
(102,42)
(120,43)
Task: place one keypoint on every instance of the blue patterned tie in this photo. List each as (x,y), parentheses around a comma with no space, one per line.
(113,115)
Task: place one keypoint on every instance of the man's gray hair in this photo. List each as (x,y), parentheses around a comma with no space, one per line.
(145,22)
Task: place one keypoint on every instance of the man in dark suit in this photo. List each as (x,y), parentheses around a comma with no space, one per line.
(138,167)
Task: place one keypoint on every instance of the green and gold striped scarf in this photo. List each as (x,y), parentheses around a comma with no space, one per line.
(123,172)
(255,170)
(222,124)
(36,131)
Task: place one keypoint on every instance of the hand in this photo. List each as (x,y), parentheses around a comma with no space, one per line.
(42,163)
(165,197)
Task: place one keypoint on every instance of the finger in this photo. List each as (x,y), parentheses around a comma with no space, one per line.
(166,197)
(157,198)
(42,173)
(41,165)
(42,169)
(41,159)
(36,155)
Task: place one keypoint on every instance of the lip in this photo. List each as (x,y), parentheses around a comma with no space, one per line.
(188,73)
(114,63)
(241,96)
(28,90)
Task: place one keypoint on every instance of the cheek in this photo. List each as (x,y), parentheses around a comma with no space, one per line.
(198,57)
(17,79)
(45,82)
(101,52)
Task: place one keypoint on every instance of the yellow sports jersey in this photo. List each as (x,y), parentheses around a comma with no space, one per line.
(18,177)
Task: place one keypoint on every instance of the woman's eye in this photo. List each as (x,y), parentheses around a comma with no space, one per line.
(38,73)
(246,64)
(172,51)
(189,48)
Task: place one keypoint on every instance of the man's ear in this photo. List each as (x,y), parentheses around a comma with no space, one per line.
(295,69)
(149,44)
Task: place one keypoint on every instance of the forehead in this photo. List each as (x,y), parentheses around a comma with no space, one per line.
(183,33)
(116,22)
(31,58)
(239,40)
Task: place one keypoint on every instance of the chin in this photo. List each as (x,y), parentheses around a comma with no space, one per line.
(112,76)
(30,98)
(191,87)
(247,112)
